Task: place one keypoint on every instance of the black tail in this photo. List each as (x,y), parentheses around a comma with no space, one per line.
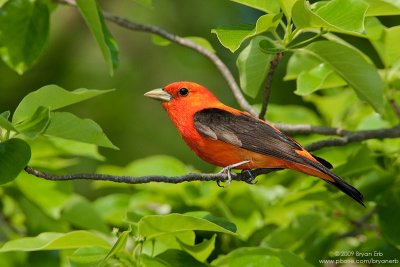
(323,165)
(346,188)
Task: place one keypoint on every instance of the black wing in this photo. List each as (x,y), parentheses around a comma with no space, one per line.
(246,132)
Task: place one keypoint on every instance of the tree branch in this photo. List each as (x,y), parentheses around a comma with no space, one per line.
(151,178)
(395,107)
(268,83)
(355,136)
(223,69)
(360,224)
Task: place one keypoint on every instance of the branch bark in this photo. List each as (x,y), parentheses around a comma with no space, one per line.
(355,136)
(151,178)
(268,84)
(395,107)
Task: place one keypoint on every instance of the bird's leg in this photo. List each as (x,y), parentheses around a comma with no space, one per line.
(228,169)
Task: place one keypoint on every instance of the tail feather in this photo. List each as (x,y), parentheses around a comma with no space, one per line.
(346,188)
(337,181)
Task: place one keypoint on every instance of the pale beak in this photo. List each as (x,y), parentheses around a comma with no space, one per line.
(159,94)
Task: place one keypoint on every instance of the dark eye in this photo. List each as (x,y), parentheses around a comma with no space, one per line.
(183,91)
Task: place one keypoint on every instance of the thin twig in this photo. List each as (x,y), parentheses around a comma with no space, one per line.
(395,107)
(360,224)
(268,83)
(224,70)
(310,129)
(151,178)
(356,136)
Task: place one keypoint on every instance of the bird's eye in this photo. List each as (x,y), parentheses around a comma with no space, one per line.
(183,92)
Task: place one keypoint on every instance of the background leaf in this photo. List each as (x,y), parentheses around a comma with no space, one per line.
(95,21)
(35,125)
(266,6)
(260,256)
(24,27)
(5,123)
(52,241)
(388,218)
(68,126)
(232,36)
(53,97)
(14,156)
(338,15)
(350,65)
(253,66)
(153,226)
(384,40)
(83,215)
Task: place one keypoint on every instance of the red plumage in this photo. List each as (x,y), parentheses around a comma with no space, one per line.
(223,136)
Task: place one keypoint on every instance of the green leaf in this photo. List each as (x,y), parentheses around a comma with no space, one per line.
(345,16)
(232,36)
(5,123)
(80,213)
(352,67)
(389,217)
(158,40)
(217,220)
(266,6)
(88,256)
(385,40)
(35,125)
(153,226)
(51,96)
(287,6)
(202,250)
(357,164)
(179,258)
(320,77)
(95,21)
(74,148)
(294,235)
(253,66)
(260,256)
(383,7)
(68,126)
(292,114)
(14,156)
(55,241)
(24,27)
(148,261)
(118,246)
(311,74)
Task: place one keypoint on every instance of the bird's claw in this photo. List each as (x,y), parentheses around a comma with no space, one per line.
(248,177)
(228,169)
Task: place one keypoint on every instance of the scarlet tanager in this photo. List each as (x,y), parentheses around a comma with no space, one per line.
(230,138)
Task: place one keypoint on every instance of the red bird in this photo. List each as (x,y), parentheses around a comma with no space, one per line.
(230,138)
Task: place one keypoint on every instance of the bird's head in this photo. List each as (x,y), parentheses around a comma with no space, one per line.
(183,95)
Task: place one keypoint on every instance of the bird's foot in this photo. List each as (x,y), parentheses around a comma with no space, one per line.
(228,169)
(248,176)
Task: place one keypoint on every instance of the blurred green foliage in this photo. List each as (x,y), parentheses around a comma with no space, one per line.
(340,68)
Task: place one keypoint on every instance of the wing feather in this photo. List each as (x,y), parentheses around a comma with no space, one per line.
(246,132)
